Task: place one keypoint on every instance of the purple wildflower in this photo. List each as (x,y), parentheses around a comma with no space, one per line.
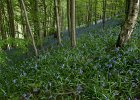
(79,88)
(81,71)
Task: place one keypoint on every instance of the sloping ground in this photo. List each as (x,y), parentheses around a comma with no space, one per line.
(93,71)
(51,42)
(16,55)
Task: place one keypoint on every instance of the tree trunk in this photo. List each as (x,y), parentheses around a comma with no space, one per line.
(57,21)
(104,12)
(11,19)
(96,3)
(68,18)
(23,22)
(129,24)
(36,19)
(2,32)
(72,15)
(27,21)
(127,7)
(89,10)
(45,18)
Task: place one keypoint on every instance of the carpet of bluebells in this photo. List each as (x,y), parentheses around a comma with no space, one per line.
(94,70)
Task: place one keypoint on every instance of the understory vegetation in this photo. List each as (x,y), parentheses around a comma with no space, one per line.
(94,70)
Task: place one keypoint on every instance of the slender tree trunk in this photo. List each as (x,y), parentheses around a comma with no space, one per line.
(54,18)
(69,18)
(72,15)
(104,12)
(3,35)
(57,21)
(59,12)
(45,18)
(11,19)
(36,19)
(89,16)
(23,22)
(28,24)
(62,20)
(129,24)
(127,7)
(96,2)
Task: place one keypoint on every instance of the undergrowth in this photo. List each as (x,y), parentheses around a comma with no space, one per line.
(94,70)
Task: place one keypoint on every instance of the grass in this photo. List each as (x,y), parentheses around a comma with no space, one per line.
(94,70)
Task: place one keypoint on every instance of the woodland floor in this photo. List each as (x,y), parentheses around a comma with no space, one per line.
(82,30)
(94,70)
(50,42)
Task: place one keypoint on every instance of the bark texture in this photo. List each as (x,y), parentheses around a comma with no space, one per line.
(57,20)
(72,15)
(68,17)
(129,24)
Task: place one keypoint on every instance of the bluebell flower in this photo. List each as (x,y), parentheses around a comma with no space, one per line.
(109,65)
(81,71)
(112,61)
(109,75)
(26,96)
(36,90)
(14,81)
(125,61)
(108,56)
(138,61)
(36,66)
(119,55)
(117,49)
(24,73)
(79,88)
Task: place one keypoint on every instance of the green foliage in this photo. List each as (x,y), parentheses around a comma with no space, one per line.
(19,43)
(93,70)
(51,31)
(2,58)
(20,48)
